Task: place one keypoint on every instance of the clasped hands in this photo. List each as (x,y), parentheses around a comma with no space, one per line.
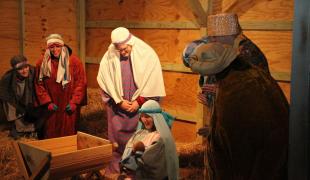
(129,106)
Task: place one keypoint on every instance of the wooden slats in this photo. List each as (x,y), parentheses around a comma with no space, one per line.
(280,76)
(68,144)
(282,25)
(81,35)
(142,25)
(21,26)
(66,159)
(199,12)
(9,33)
(87,141)
(69,164)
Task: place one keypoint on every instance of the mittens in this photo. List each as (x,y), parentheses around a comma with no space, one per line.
(71,107)
(52,107)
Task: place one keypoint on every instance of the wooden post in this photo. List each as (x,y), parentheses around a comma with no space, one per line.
(81,29)
(299,144)
(21,26)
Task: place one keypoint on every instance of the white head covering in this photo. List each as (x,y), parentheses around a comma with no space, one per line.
(63,74)
(146,68)
(54,38)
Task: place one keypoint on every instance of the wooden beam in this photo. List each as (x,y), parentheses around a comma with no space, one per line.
(279,76)
(175,68)
(230,5)
(267,25)
(198,12)
(142,25)
(21,27)
(246,25)
(179,115)
(210,8)
(81,29)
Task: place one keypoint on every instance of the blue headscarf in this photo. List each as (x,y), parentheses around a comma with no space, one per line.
(162,122)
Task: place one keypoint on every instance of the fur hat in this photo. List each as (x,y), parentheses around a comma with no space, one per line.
(223,24)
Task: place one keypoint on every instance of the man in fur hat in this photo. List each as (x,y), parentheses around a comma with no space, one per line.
(248,133)
(129,74)
(60,87)
(18,97)
(224,28)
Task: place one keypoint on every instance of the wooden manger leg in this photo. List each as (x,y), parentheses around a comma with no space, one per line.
(41,169)
(33,162)
(20,160)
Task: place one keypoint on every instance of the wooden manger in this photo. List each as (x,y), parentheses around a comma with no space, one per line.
(62,157)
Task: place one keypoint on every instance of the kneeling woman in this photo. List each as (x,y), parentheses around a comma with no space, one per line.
(151,152)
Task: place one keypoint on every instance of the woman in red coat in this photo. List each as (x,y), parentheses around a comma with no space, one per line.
(61,87)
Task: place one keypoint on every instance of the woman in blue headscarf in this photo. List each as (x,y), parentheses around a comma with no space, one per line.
(151,152)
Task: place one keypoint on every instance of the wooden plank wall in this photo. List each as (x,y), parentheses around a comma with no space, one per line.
(275,43)
(9,33)
(181,88)
(41,17)
(269,20)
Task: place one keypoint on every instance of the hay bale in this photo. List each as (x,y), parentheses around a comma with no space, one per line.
(93,116)
(191,160)
(191,154)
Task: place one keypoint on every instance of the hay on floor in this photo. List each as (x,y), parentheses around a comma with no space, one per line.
(93,116)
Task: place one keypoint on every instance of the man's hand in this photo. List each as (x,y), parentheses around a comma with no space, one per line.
(134,107)
(125,105)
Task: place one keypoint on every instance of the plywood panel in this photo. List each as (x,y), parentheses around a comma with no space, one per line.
(156,10)
(276,45)
(9,33)
(92,71)
(168,44)
(256,9)
(181,93)
(44,17)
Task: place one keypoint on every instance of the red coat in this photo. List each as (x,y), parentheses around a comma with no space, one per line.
(61,123)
